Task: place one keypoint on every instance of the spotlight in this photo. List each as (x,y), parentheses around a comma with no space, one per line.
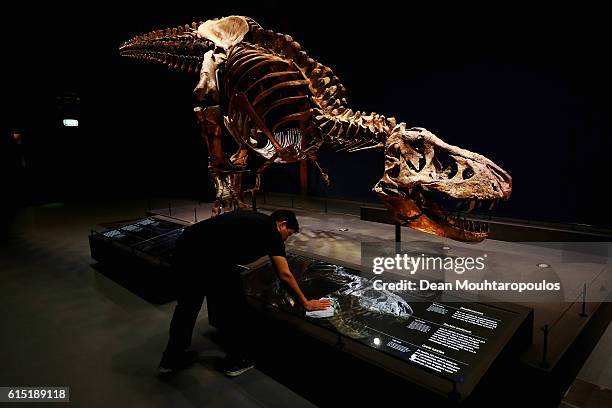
(543,265)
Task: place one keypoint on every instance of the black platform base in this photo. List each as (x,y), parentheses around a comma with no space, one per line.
(137,256)
(440,346)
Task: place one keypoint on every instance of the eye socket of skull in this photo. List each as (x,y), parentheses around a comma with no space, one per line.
(394,170)
(444,163)
(418,145)
(467,173)
(394,151)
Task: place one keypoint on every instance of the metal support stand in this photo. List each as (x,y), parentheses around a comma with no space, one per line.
(170,209)
(584,291)
(254,201)
(398,237)
(339,342)
(454,395)
(195,214)
(544,362)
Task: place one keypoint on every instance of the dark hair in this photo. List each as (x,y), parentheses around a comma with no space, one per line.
(286,215)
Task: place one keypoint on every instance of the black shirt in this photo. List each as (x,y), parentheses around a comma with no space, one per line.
(237,237)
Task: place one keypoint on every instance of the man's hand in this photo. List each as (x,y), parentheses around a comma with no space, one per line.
(321,304)
(284,274)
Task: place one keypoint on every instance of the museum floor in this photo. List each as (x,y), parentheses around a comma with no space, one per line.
(63,323)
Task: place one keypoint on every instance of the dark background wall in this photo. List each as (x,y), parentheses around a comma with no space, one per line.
(526,87)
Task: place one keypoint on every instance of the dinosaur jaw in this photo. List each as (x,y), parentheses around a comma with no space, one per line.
(424,211)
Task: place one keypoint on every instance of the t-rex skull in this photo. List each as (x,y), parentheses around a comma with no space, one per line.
(425,178)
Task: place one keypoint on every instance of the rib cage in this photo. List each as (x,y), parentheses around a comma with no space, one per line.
(284,138)
(277,91)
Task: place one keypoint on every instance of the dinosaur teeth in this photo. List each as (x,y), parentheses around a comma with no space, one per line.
(465,224)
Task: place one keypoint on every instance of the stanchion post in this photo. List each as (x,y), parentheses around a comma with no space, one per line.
(544,362)
(584,292)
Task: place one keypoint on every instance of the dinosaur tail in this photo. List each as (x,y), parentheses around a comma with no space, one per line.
(179,48)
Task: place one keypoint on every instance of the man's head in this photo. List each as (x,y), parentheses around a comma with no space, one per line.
(286,223)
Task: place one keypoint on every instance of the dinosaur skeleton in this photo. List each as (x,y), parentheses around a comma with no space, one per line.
(262,90)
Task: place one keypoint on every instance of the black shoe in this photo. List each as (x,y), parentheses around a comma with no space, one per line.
(233,367)
(171,363)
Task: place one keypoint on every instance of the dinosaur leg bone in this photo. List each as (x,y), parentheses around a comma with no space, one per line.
(228,182)
(223,195)
(228,186)
(210,121)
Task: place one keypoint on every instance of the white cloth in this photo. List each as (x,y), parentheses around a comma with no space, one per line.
(329,312)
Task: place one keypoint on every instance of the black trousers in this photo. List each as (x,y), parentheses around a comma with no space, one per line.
(224,289)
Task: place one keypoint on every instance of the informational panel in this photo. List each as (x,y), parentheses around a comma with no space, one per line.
(138,255)
(456,341)
(152,236)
